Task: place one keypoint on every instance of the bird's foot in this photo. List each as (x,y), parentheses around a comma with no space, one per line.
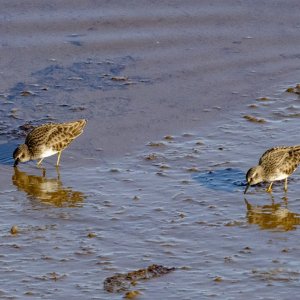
(269,190)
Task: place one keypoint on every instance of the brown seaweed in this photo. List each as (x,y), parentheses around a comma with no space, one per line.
(254,119)
(123,282)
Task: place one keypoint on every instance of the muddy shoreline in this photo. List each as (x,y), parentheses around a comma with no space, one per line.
(181,99)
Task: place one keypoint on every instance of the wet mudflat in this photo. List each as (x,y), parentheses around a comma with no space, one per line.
(177,113)
(177,202)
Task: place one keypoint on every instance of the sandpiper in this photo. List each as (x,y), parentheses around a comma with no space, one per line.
(275,164)
(47,140)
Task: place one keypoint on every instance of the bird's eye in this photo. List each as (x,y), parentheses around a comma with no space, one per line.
(23,156)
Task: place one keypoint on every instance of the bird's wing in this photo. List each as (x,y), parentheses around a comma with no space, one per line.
(277,155)
(55,136)
(39,135)
(286,159)
(63,134)
(292,160)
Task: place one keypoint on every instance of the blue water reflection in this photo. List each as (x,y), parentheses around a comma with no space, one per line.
(6,152)
(229,179)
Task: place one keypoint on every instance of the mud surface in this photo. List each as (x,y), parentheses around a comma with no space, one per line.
(181,99)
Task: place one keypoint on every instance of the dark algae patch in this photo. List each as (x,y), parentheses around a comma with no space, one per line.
(254,119)
(295,90)
(123,282)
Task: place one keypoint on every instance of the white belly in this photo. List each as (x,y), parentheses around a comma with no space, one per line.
(48,152)
(278,177)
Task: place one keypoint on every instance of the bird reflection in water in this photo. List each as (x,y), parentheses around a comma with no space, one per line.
(47,190)
(272,216)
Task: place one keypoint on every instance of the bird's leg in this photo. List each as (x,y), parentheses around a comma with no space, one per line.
(57,172)
(40,161)
(285,185)
(58,158)
(269,189)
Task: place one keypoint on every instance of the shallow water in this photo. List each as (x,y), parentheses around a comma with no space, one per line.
(158,175)
(178,202)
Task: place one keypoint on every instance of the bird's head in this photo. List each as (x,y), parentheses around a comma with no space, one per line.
(254,176)
(21,154)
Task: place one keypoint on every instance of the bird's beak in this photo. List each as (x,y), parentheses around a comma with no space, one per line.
(247,187)
(16,162)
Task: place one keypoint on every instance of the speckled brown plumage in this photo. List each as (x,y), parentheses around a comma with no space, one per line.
(47,140)
(275,164)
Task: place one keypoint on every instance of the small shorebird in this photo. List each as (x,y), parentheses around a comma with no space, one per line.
(275,164)
(47,140)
